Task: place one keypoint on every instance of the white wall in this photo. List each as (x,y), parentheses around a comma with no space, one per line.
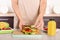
(51,4)
(6,3)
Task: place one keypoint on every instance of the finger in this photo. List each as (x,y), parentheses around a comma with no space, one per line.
(36,23)
(20,26)
(42,25)
(39,26)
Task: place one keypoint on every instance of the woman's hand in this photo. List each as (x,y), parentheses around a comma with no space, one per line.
(39,23)
(21,22)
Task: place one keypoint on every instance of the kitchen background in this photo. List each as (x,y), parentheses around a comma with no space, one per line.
(52,11)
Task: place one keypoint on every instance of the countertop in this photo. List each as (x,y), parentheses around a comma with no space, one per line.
(44,37)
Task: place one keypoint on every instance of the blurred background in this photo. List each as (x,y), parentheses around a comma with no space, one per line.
(52,6)
(6,4)
(52,10)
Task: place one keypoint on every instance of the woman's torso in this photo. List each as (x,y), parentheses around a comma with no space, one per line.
(29,10)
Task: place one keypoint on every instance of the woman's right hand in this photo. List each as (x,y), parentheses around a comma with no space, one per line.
(21,22)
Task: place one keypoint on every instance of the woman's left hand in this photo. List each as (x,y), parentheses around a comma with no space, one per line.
(39,23)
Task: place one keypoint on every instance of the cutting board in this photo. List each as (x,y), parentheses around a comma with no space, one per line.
(18,34)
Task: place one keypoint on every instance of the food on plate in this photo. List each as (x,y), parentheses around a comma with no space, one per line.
(4,25)
(45,28)
(29,30)
(6,28)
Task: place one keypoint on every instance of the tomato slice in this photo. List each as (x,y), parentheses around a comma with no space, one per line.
(45,28)
(28,30)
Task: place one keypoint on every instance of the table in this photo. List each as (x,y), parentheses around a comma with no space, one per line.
(45,37)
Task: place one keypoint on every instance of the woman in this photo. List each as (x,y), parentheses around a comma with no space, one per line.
(27,12)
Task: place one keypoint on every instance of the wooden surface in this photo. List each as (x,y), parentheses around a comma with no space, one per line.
(17,32)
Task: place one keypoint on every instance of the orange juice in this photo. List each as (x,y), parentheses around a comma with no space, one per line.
(51,27)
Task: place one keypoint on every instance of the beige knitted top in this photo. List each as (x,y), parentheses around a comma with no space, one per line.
(29,10)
